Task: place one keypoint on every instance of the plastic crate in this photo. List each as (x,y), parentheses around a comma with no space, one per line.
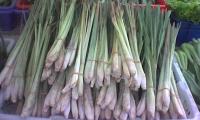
(21,16)
(194,32)
(188,30)
(7,17)
(183,89)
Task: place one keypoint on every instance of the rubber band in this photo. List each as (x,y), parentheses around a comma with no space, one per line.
(21,76)
(151,87)
(10,66)
(102,61)
(92,60)
(18,76)
(71,48)
(43,93)
(58,39)
(81,74)
(164,89)
(175,95)
(135,61)
(115,52)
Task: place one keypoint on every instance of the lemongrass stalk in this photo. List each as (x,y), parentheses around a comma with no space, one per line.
(172,112)
(59,62)
(110,93)
(126,74)
(112,105)
(34,112)
(141,105)
(8,78)
(69,73)
(88,103)
(102,115)
(108,114)
(66,18)
(123,115)
(71,49)
(126,102)
(67,110)
(74,108)
(8,91)
(75,94)
(75,75)
(177,104)
(51,98)
(64,102)
(118,107)
(43,94)
(132,112)
(52,78)
(163,95)
(101,95)
(157,115)
(19,107)
(39,102)
(81,109)
(100,74)
(46,73)
(97,112)
(144,115)
(107,67)
(150,95)
(116,61)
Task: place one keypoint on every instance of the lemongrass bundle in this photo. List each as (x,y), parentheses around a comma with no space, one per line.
(42,31)
(87,18)
(117,19)
(65,21)
(134,45)
(91,62)
(153,43)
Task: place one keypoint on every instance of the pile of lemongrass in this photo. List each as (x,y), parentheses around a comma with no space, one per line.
(93,60)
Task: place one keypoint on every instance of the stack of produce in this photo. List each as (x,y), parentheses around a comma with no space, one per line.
(94,60)
(188,57)
(186,9)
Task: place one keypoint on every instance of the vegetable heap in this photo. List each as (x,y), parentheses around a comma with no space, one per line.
(188,57)
(5,2)
(94,60)
(186,9)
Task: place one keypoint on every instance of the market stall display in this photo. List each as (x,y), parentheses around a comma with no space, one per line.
(7,16)
(94,60)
